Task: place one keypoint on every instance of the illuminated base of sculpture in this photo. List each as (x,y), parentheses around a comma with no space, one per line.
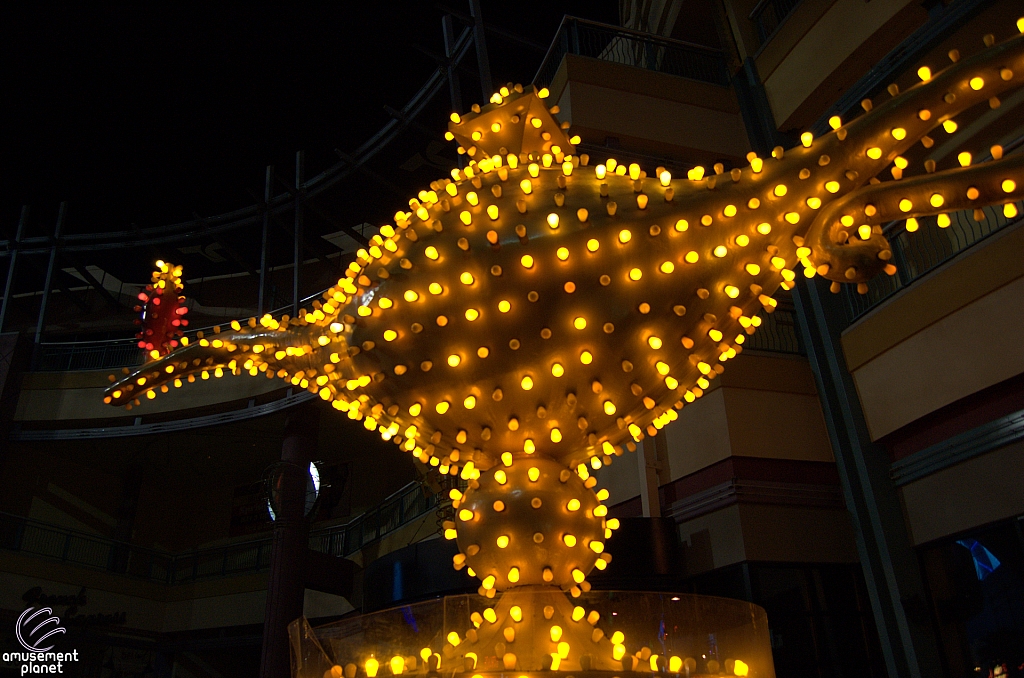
(540,630)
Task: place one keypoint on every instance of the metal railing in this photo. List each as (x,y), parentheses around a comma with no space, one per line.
(632,48)
(915,254)
(769,15)
(107,354)
(412,501)
(88,355)
(25,535)
(778,333)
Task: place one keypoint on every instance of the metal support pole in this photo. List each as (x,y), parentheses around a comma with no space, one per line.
(454,87)
(267,195)
(49,273)
(486,84)
(300,162)
(9,287)
(887,557)
(290,547)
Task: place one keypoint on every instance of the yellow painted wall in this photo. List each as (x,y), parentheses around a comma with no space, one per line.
(820,36)
(762,406)
(951,334)
(975,492)
(677,116)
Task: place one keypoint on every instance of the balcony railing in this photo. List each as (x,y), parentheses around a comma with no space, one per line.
(778,332)
(915,254)
(77,548)
(769,15)
(632,48)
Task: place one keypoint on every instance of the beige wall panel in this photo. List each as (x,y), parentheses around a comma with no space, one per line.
(976,347)
(980,270)
(841,30)
(776,425)
(621,479)
(699,437)
(797,534)
(214,612)
(658,120)
(972,493)
(713,540)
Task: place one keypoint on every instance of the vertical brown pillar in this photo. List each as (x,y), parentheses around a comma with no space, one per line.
(286,588)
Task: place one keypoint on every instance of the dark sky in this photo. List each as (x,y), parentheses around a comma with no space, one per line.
(147,113)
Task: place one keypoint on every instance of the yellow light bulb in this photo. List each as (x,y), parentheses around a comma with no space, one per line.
(469,402)
(502,542)
(431,252)
(556,435)
(552,220)
(390,335)
(635,274)
(573,505)
(609,407)
(874,153)
(526,383)
(569,540)
(562,253)
(435,288)
(731,291)
(721,251)
(691,257)
(586,357)
(832,186)
(780,190)
(472,314)
(454,360)
(667,267)
(372,664)
(625,236)
(976,83)
(593,245)
(526,261)
(466,278)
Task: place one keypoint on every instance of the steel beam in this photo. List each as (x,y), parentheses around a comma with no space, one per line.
(9,286)
(41,321)
(890,566)
(268,188)
(480,38)
(300,166)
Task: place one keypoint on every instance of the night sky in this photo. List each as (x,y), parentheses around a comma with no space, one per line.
(149,114)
